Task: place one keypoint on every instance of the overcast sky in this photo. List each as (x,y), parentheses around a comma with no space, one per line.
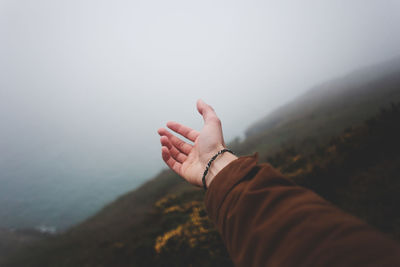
(97,78)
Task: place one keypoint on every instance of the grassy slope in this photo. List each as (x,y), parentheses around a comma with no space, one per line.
(11,241)
(322,112)
(104,234)
(125,232)
(357,170)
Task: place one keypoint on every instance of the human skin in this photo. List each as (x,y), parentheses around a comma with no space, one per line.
(189,161)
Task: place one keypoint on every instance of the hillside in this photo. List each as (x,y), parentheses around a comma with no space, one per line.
(322,140)
(326,110)
(357,170)
(12,240)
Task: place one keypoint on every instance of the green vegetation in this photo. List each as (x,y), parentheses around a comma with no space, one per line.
(164,223)
(321,113)
(358,170)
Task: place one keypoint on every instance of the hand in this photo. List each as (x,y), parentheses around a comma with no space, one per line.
(189,161)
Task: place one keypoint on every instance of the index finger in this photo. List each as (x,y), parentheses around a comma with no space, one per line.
(183,130)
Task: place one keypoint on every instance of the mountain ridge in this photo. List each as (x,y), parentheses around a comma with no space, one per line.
(327,109)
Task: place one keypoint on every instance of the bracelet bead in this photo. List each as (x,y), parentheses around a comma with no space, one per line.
(209,165)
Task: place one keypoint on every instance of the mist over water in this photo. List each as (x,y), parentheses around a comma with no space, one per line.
(84,85)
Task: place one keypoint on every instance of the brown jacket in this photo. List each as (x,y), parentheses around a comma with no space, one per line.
(267,220)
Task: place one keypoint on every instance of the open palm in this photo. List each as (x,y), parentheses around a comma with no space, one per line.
(187,160)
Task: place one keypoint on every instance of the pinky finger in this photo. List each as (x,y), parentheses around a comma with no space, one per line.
(170,161)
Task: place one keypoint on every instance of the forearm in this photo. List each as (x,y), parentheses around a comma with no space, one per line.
(265,219)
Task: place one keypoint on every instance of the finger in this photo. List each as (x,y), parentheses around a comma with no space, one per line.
(181,145)
(170,161)
(175,153)
(183,130)
(207,112)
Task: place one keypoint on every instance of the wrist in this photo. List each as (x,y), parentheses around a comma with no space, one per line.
(218,164)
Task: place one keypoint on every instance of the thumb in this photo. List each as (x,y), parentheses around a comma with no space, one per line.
(205,110)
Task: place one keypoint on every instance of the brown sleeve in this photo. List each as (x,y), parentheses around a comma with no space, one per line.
(267,220)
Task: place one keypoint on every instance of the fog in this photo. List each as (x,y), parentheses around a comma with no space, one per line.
(84,85)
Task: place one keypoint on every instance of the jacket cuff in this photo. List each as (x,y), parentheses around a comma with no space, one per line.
(225,181)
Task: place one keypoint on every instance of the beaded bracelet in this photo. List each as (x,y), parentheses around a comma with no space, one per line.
(209,164)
